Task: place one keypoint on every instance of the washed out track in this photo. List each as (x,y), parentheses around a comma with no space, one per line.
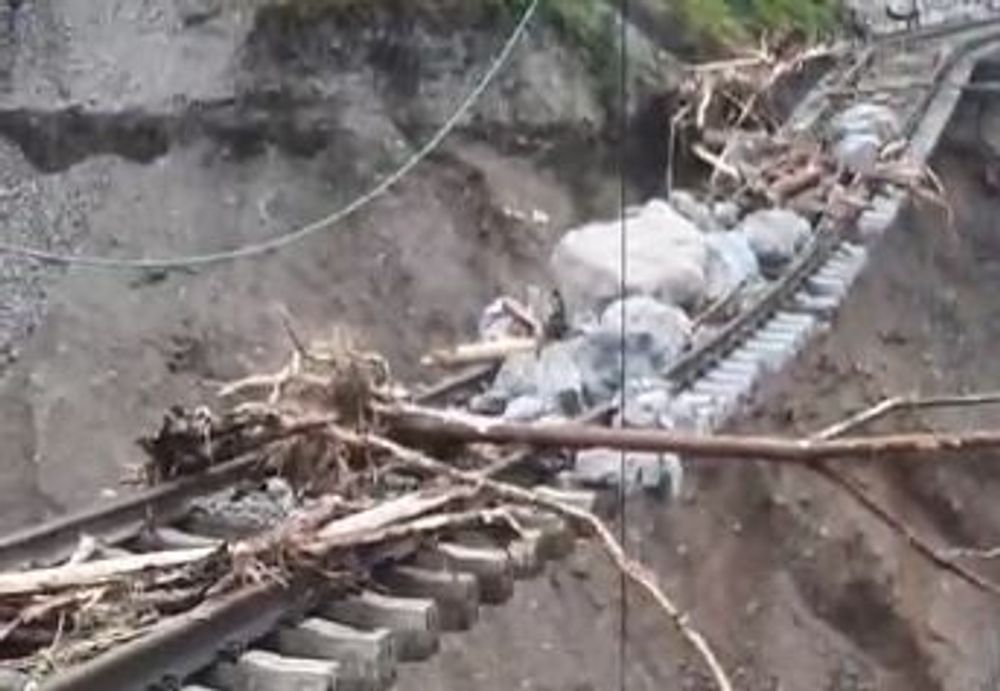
(309,634)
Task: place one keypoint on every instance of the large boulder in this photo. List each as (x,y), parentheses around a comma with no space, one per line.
(731,263)
(665,258)
(775,235)
(654,333)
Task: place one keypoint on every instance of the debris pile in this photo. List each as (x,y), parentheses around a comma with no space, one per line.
(330,492)
(636,293)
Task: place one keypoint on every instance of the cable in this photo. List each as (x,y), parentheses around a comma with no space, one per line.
(623,383)
(283,241)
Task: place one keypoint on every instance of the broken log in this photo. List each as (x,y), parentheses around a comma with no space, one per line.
(414,422)
(98,572)
(478,353)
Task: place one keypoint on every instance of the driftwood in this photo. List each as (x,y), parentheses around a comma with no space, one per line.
(478,353)
(97,572)
(416,421)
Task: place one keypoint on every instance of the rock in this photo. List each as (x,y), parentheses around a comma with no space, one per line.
(650,471)
(688,206)
(650,326)
(560,382)
(525,409)
(646,409)
(553,377)
(655,335)
(775,235)
(727,213)
(665,259)
(517,377)
(194,12)
(858,152)
(488,403)
(867,119)
(731,263)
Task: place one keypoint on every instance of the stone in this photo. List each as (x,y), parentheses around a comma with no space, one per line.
(731,263)
(727,213)
(688,206)
(559,380)
(518,376)
(194,12)
(603,468)
(665,259)
(857,153)
(647,409)
(525,409)
(867,118)
(655,335)
(775,235)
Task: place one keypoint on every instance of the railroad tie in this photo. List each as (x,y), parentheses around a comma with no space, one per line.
(456,594)
(366,659)
(490,565)
(261,670)
(414,622)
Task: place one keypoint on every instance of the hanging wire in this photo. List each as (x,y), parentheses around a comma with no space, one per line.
(283,241)
(623,268)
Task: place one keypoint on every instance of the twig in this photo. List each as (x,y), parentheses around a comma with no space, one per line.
(971,553)
(636,572)
(718,164)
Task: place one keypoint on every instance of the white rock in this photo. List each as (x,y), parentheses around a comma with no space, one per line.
(775,234)
(525,409)
(666,258)
(867,118)
(731,263)
(603,467)
(727,213)
(649,325)
(858,152)
(688,206)
(655,334)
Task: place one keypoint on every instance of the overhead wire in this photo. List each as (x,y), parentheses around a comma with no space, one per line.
(274,244)
(623,290)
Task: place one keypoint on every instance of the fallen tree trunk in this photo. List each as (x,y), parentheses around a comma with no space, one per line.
(414,422)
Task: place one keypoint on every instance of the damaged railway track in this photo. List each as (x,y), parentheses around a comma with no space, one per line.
(268,634)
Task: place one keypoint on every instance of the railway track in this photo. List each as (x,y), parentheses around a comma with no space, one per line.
(312,635)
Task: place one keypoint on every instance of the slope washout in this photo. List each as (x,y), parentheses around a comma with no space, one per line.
(794,584)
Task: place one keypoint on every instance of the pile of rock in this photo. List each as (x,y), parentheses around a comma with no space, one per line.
(672,261)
